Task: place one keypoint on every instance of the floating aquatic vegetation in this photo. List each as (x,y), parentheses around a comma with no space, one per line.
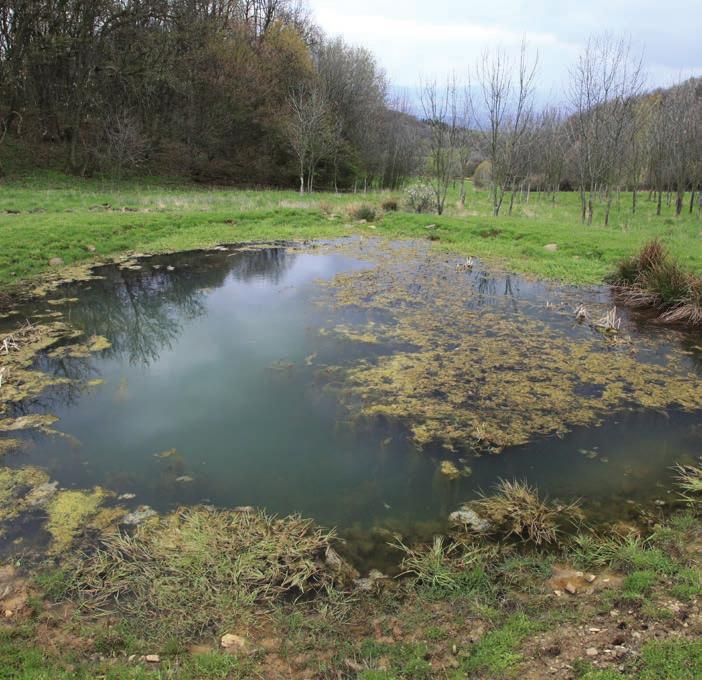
(166,454)
(7,445)
(62,301)
(364,334)
(459,372)
(37,421)
(281,365)
(96,343)
(449,469)
(71,512)
(16,487)
(18,380)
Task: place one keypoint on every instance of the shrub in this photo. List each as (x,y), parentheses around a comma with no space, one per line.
(389,205)
(362,212)
(482,177)
(420,198)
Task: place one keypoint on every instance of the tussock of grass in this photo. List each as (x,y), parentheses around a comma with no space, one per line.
(444,565)
(363,211)
(515,510)
(194,571)
(627,553)
(653,279)
(689,481)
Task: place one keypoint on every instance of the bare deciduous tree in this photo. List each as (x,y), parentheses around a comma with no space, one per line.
(604,86)
(309,132)
(505,114)
(440,113)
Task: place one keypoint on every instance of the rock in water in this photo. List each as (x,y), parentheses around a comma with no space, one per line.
(142,513)
(469,519)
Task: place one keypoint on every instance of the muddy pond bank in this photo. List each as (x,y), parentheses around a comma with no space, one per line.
(372,386)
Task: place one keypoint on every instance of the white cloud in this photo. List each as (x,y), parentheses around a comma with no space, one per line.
(416,39)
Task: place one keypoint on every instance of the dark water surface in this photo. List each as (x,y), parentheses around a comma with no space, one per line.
(221,358)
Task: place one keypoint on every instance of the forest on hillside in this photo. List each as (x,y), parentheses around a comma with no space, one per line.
(210,89)
(252,92)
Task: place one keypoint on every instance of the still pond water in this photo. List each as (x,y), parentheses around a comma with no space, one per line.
(219,356)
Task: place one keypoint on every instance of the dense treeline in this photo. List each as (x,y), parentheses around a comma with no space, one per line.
(209,88)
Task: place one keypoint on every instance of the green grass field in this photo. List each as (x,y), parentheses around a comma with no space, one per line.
(53,215)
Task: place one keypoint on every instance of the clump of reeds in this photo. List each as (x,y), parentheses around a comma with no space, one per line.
(653,279)
(610,322)
(516,510)
(194,572)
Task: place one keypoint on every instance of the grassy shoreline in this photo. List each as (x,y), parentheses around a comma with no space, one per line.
(53,216)
(501,606)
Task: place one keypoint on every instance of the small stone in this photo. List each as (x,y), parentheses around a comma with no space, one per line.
(170,268)
(591,651)
(142,513)
(558,593)
(570,588)
(8,613)
(152,658)
(590,578)
(90,249)
(230,642)
(126,496)
(551,247)
(55,262)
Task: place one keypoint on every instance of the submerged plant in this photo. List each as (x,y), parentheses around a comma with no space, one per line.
(516,510)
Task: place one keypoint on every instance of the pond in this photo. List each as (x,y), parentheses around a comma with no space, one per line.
(333,379)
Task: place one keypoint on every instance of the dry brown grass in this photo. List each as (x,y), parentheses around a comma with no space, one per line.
(652,279)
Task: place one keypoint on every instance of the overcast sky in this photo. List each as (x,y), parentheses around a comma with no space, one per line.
(414,40)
